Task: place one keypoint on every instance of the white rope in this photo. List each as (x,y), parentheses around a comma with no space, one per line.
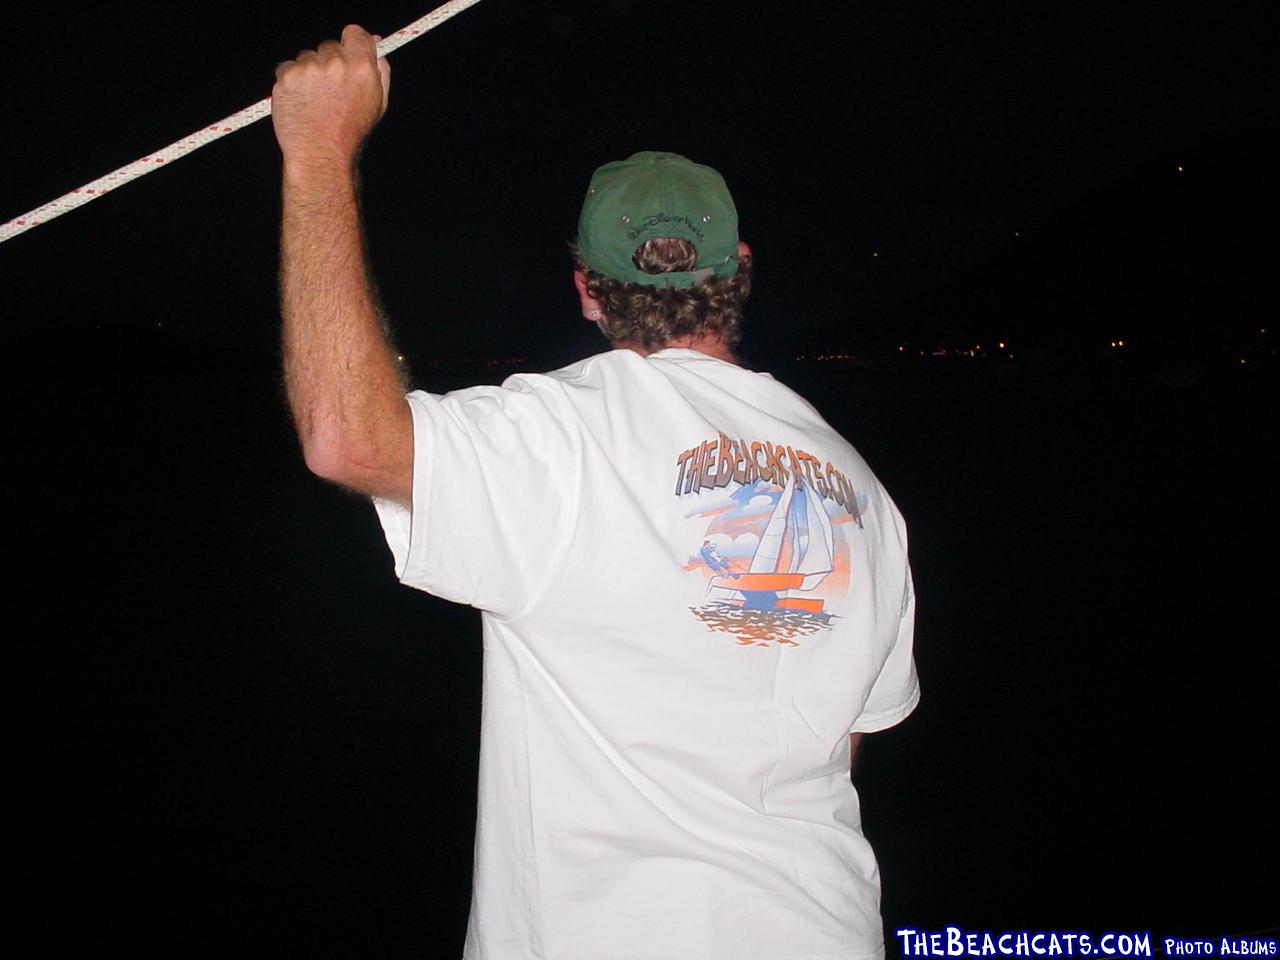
(153,161)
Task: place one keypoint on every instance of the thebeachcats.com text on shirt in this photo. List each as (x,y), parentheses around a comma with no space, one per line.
(953,941)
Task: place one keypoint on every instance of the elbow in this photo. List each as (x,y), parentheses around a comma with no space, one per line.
(326,448)
(362,469)
(340,462)
(325,459)
(329,451)
(375,460)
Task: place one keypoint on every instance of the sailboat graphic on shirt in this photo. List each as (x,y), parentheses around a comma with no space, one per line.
(794,555)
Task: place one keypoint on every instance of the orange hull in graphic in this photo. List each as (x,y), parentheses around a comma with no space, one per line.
(765,581)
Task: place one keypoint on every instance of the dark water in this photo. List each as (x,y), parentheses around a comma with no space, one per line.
(762,628)
(236,734)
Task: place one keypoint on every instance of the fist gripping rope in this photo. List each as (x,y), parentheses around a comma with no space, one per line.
(188,144)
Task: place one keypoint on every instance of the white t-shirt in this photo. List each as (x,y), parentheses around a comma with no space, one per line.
(693,590)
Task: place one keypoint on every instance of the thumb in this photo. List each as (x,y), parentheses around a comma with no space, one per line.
(384,74)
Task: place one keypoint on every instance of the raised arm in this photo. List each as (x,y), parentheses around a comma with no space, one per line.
(344,384)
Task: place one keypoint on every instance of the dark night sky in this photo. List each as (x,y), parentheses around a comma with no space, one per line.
(926,133)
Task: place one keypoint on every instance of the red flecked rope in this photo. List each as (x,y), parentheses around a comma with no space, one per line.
(251,114)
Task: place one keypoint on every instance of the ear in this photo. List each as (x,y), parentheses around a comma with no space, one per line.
(744,252)
(591,309)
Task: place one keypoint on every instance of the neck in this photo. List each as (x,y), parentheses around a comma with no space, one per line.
(711,346)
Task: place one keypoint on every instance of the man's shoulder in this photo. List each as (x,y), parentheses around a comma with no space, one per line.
(684,377)
(664,361)
(576,371)
(609,366)
(594,364)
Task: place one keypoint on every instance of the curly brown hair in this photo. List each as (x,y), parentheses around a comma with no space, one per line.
(654,316)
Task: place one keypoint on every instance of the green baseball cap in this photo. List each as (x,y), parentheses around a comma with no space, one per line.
(653,194)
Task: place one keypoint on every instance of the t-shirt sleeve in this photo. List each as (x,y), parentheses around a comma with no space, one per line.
(896,690)
(494,478)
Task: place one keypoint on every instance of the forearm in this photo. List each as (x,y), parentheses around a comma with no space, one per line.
(344,385)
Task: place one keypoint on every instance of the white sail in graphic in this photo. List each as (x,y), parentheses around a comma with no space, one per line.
(798,536)
(795,554)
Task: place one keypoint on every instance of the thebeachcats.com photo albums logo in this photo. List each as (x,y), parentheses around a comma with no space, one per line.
(955,941)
